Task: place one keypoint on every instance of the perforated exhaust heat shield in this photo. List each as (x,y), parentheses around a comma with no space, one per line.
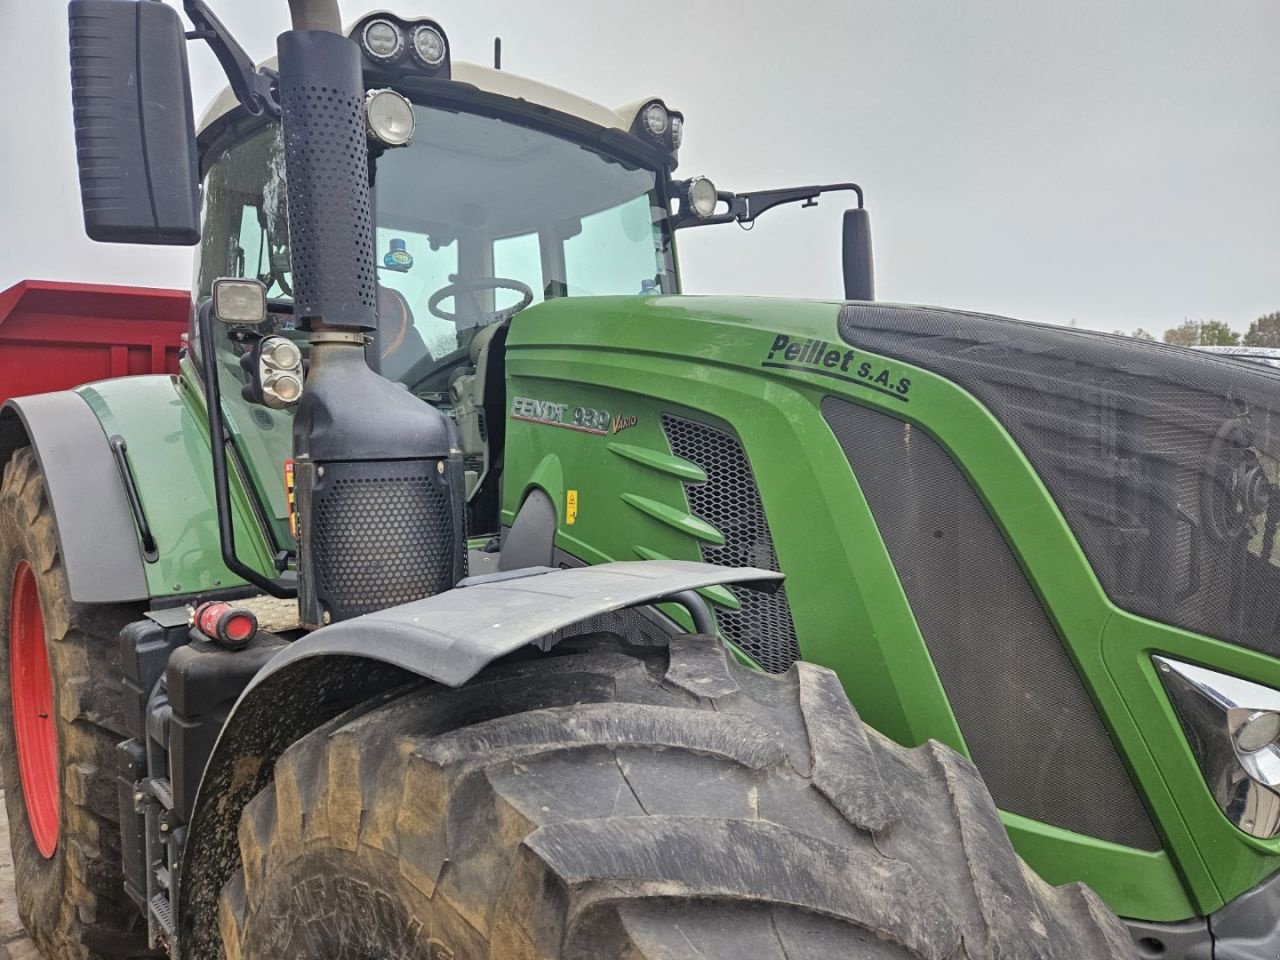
(326,157)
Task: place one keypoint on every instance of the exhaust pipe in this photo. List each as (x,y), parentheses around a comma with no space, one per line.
(378,473)
(316,15)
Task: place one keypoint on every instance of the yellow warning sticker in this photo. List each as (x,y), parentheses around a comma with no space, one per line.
(570,508)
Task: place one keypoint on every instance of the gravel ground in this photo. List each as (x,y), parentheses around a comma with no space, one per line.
(14,944)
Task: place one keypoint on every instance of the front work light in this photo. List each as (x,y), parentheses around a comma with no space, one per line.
(389,117)
(1233,728)
(701,196)
(428,45)
(382,40)
(656,119)
(239,301)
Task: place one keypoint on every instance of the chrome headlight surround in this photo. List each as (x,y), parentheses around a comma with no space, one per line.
(1226,720)
(376,49)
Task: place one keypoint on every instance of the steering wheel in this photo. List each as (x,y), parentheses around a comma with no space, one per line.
(485,317)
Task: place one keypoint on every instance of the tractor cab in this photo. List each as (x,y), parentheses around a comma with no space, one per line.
(490,193)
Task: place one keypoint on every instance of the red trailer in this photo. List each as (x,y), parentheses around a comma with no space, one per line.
(55,335)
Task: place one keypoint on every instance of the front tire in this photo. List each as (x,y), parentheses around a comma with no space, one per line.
(634,804)
(60,719)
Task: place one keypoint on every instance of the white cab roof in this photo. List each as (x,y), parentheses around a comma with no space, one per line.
(500,82)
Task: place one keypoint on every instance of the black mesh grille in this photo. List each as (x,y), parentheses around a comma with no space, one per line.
(729,501)
(1029,723)
(383,535)
(1161,459)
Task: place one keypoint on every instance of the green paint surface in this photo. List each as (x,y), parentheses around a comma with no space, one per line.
(705,358)
(162,420)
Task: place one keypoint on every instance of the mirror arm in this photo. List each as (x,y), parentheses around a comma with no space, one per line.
(758,201)
(745,207)
(255,90)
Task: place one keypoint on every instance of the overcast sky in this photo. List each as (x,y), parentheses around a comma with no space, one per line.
(1116,163)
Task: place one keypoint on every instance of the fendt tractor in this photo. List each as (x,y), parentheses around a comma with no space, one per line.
(434,608)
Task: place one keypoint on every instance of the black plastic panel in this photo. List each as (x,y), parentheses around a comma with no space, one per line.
(1029,723)
(1162,459)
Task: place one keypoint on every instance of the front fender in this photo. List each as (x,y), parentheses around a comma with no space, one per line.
(448,638)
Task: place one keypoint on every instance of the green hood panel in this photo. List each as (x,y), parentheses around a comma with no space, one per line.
(759,370)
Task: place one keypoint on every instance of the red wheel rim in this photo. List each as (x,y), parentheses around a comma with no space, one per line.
(33,716)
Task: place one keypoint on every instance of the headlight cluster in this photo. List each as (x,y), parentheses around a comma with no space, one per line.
(418,45)
(1233,729)
(275,366)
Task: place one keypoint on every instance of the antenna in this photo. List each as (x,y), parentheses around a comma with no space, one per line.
(497,53)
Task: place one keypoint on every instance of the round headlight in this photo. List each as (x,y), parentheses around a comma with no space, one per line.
(283,389)
(702,196)
(281,353)
(1261,729)
(677,130)
(382,40)
(389,117)
(656,119)
(428,45)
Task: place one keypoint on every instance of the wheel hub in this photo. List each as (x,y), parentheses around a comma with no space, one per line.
(33,715)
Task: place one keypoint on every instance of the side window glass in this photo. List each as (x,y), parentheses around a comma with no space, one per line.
(617,251)
(249,252)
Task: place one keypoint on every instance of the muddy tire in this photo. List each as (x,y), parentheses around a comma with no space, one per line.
(612,802)
(60,719)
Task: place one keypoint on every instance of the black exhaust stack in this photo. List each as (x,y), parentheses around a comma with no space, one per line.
(378,473)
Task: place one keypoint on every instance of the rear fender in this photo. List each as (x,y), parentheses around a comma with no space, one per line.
(448,638)
(97,533)
(161,421)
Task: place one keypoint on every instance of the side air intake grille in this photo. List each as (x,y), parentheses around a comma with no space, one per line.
(1029,723)
(729,501)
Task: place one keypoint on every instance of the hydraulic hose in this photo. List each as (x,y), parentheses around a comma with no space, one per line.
(316,15)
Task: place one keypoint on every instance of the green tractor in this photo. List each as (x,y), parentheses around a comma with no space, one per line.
(435,607)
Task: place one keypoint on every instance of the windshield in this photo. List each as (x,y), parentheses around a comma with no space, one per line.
(476,218)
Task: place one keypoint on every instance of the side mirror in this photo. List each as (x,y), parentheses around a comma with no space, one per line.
(135,129)
(859,267)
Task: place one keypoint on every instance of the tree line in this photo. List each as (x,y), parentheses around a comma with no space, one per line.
(1263,332)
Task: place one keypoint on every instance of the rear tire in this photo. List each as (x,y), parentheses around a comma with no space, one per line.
(66,841)
(624,803)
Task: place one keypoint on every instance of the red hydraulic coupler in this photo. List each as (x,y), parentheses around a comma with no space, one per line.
(224,624)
